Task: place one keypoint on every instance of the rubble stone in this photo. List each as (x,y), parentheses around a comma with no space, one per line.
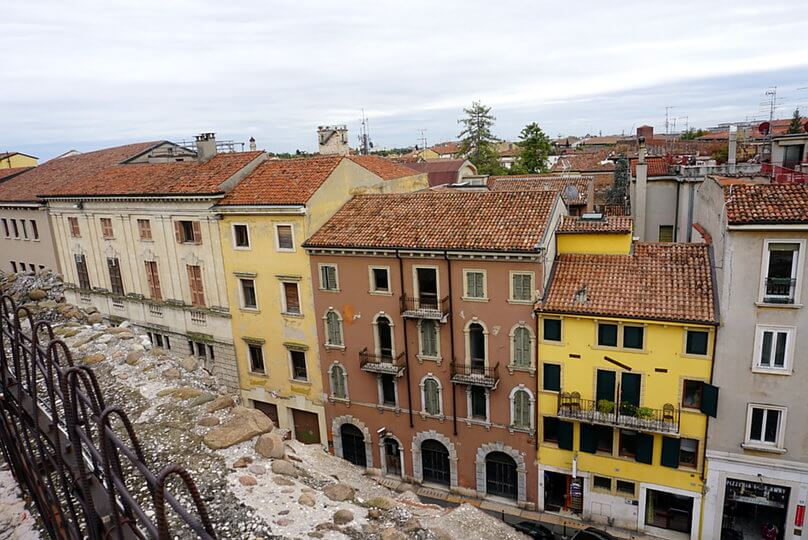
(285,468)
(306,499)
(247,480)
(94,358)
(257,469)
(244,425)
(209,421)
(221,402)
(339,492)
(343,516)
(270,445)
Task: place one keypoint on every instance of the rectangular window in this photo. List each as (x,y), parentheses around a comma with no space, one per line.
(479,403)
(106,228)
(603,483)
(291,298)
(196,285)
(73,222)
(669,511)
(781,272)
(607,335)
(626,488)
(764,425)
(82,273)
(188,232)
(665,233)
(475,284)
(16,229)
(285,239)
(115,280)
(241,236)
(144,229)
(522,287)
(14,267)
(688,453)
(604,437)
(5,228)
(153,278)
(628,443)
(328,277)
(24,229)
(696,342)
(248,297)
(298,359)
(551,378)
(388,390)
(550,429)
(380,280)
(633,337)
(551,329)
(34,229)
(692,394)
(773,348)
(429,337)
(256,359)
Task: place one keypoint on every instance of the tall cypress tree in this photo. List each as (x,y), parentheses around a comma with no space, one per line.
(476,140)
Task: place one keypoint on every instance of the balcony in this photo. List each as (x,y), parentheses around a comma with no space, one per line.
(780,290)
(425,308)
(381,364)
(621,414)
(474,374)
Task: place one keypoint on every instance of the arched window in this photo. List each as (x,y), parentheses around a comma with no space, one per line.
(339,384)
(429,338)
(333,328)
(521,347)
(476,345)
(384,337)
(431,396)
(521,409)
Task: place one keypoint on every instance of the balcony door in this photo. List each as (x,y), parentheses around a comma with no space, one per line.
(630,384)
(385,338)
(792,155)
(477,347)
(427,282)
(605,386)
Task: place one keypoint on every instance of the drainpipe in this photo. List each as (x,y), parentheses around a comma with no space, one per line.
(406,342)
(676,214)
(451,342)
(691,192)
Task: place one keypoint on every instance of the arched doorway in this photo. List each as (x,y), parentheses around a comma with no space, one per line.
(385,338)
(353,445)
(500,475)
(435,462)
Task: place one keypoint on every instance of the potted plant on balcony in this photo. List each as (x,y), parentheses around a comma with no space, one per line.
(628,409)
(645,413)
(605,406)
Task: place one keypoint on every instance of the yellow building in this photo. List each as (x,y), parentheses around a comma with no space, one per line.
(14,160)
(265,219)
(626,346)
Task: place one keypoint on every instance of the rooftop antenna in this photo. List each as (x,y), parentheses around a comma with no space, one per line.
(365,143)
(422,138)
(667,119)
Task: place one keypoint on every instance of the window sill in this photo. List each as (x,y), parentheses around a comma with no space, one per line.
(524,369)
(516,429)
(470,299)
(292,315)
(335,347)
(380,293)
(285,250)
(776,305)
(423,358)
(151,240)
(520,302)
(334,399)
(439,417)
(254,311)
(763,448)
(321,289)
(257,374)
(300,381)
(774,371)
(242,248)
(554,392)
(551,342)
(695,356)
(478,422)
(391,408)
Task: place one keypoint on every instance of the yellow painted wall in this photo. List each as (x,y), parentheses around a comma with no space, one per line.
(664,350)
(608,244)
(18,160)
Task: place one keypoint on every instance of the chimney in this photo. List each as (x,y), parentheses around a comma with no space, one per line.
(733,149)
(590,195)
(253,146)
(205,146)
(638,206)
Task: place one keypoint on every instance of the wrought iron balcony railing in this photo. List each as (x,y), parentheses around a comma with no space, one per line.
(780,290)
(620,414)
(381,363)
(425,307)
(475,374)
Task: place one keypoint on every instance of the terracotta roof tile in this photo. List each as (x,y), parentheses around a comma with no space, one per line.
(181,177)
(447,148)
(383,168)
(6,174)
(537,182)
(52,175)
(660,281)
(657,166)
(766,203)
(440,171)
(284,181)
(584,162)
(488,221)
(609,224)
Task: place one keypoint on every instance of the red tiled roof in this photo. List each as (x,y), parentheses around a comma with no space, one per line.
(660,281)
(53,175)
(440,171)
(762,204)
(446,148)
(657,166)
(181,177)
(284,181)
(382,167)
(603,140)
(536,182)
(437,220)
(6,174)
(609,224)
(586,162)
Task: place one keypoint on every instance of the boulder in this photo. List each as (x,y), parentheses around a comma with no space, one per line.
(221,402)
(392,534)
(171,373)
(241,462)
(270,445)
(208,421)
(94,318)
(189,363)
(186,392)
(282,481)
(339,492)
(247,480)
(244,425)
(257,469)
(284,468)
(306,499)
(201,399)
(134,357)
(343,516)
(94,358)
(37,294)
(117,330)
(126,334)
(283,522)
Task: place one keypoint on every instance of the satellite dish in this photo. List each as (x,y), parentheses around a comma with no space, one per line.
(764,127)
(570,192)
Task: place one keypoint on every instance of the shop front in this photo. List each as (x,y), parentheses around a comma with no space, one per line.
(754,510)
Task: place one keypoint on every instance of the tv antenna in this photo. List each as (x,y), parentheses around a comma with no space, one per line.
(365,144)
(422,138)
(667,119)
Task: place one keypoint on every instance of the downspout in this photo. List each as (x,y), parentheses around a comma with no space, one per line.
(676,214)
(406,341)
(690,200)
(451,342)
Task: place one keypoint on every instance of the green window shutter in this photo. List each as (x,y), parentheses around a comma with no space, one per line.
(709,400)
(645,448)
(588,442)
(478,285)
(605,385)
(552,329)
(630,388)
(565,435)
(552,377)
(521,347)
(670,452)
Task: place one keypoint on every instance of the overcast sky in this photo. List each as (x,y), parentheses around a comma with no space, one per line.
(84,74)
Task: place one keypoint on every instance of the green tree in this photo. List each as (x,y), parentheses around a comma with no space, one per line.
(534,146)
(618,192)
(476,140)
(796,122)
(692,134)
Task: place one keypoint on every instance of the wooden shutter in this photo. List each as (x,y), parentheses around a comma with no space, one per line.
(431,396)
(588,438)
(605,385)
(565,435)
(178,231)
(144,225)
(197,232)
(552,377)
(292,298)
(334,330)
(709,400)
(645,448)
(285,237)
(630,388)
(197,288)
(521,347)
(521,409)
(428,340)
(338,381)
(153,277)
(670,452)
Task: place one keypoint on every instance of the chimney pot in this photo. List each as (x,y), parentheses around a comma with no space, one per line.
(253,146)
(205,146)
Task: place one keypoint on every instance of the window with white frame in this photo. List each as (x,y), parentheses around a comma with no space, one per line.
(297,362)
(333,329)
(773,348)
(428,336)
(478,403)
(256,358)
(328,277)
(521,409)
(249,299)
(339,382)
(380,279)
(521,347)
(782,260)
(284,237)
(765,426)
(474,283)
(291,298)
(431,396)
(522,286)
(241,236)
